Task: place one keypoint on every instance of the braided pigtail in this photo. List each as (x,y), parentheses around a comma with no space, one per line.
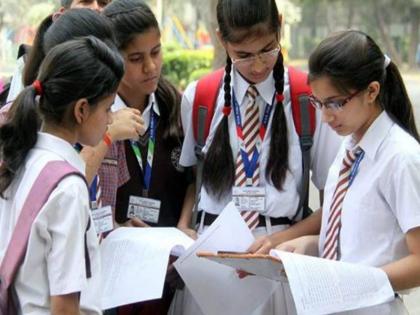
(277,164)
(218,168)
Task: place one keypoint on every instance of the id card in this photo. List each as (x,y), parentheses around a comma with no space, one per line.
(145,209)
(249,198)
(102,219)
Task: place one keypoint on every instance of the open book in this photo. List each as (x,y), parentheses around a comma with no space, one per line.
(135,262)
(318,286)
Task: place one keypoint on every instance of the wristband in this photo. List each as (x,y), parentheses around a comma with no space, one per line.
(107,139)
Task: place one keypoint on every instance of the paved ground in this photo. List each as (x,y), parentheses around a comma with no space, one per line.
(412,81)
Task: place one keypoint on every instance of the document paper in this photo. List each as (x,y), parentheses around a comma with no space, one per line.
(321,286)
(216,288)
(135,261)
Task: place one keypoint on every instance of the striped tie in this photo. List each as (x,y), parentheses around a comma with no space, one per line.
(250,135)
(331,245)
(98,192)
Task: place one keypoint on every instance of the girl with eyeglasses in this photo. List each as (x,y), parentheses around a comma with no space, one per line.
(252,143)
(371,210)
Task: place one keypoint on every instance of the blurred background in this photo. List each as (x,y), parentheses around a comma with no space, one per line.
(191,48)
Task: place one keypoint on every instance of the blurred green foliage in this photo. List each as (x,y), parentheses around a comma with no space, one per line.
(183,66)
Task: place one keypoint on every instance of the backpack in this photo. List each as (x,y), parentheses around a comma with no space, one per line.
(304,119)
(48,179)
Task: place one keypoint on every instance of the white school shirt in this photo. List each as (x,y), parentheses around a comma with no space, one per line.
(16,85)
(278,203)
(54,263)
(383,202)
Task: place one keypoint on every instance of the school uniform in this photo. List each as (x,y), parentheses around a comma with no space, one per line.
(381,205)
(16,84)
(279,204)
(169,182)
(55,262)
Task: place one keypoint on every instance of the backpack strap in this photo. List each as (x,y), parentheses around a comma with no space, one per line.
(204,104)
(304,118)
(48,179)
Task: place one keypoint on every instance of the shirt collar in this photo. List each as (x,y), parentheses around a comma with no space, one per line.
(61,148)
(120,104)
(374,136)
(240,85)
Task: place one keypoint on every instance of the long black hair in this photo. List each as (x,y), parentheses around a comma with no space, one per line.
(352,60)
(129,19)
(83,68)
(72,24)
(240,19)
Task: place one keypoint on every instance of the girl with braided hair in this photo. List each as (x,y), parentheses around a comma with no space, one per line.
(252,140)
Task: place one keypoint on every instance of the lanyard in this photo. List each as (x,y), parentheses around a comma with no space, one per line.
(93,189)
(355,167)
(147,172)
(94,186)
(250,165)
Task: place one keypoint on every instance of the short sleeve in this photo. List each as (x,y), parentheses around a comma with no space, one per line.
(404,183)
(188,157)
(68,216)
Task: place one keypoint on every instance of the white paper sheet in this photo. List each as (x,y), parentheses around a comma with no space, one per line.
(217,288)
(134,263)
(321,286)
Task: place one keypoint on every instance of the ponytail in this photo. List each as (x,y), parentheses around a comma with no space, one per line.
(218,168)
(396,103)
(37,54)
(352,60)
(277,164)
(18,136)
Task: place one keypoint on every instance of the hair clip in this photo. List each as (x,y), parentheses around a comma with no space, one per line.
(387,61)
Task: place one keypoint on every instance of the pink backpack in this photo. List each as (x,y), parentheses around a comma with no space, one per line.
(46,182)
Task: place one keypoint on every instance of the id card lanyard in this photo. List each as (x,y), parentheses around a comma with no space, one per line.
(355,167)
(250,164)
(147,172)
(93,187)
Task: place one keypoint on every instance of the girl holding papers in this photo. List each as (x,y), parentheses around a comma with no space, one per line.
(371,211)
(252,154)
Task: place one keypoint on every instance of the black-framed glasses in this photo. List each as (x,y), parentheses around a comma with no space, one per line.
(332,104)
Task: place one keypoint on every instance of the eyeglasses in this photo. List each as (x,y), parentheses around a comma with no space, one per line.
(265,57)
(331,104)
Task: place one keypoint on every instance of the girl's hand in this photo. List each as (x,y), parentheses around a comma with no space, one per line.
(126,123)
(305,245)
(262,245)
(134,222)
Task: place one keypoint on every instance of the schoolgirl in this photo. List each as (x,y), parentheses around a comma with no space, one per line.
(72,24)
(149,174)
(73,93)
(252,141)
(371,210)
